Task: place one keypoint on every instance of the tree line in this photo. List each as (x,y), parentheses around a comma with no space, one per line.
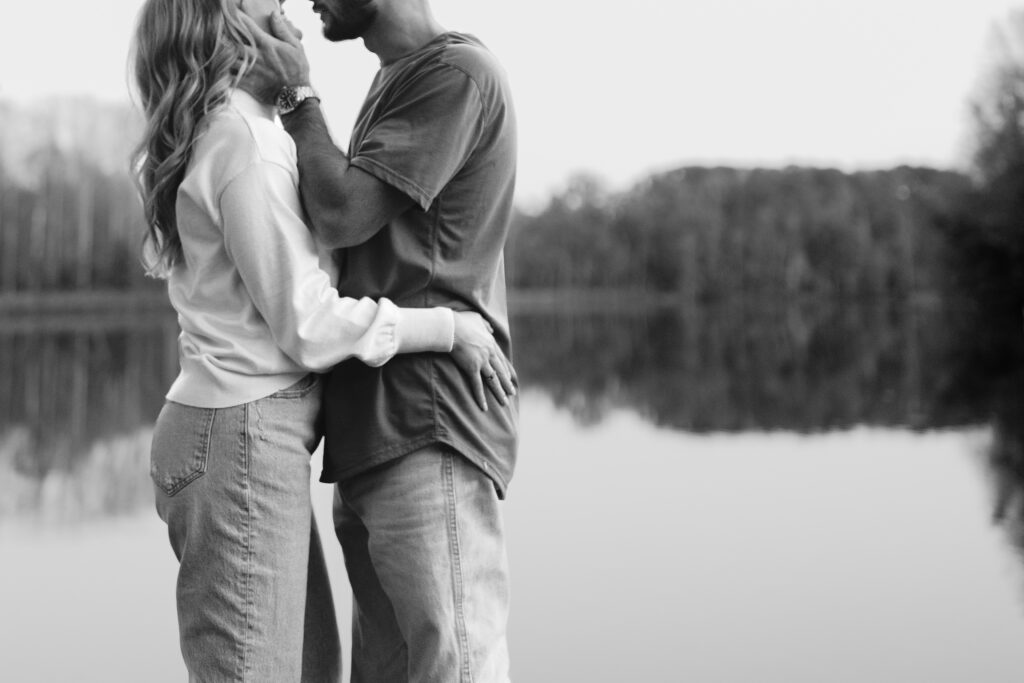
(69,215)
(698,234)
(715,234)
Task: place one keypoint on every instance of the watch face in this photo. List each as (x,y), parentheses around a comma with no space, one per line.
(286,98)
(292,96)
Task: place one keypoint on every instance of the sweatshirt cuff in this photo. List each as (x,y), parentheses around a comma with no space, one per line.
(425,329)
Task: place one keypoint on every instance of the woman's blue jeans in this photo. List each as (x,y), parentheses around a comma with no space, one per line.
(233,486)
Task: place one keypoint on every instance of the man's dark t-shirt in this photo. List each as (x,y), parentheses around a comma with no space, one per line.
(438,125)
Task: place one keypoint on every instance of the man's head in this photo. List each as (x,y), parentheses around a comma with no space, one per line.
(346,19)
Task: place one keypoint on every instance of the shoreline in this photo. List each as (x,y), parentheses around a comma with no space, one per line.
(97,310)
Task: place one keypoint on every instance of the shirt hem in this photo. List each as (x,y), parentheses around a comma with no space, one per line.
(333,475)
(199,392)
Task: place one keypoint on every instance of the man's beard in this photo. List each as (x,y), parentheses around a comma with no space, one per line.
(352,22)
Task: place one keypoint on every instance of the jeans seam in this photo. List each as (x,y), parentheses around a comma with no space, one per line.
(448,464)
(258,427)
(249,607)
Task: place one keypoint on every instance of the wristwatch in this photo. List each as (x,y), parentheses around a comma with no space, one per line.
(291,96)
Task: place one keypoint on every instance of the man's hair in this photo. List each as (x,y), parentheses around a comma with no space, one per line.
(186,57)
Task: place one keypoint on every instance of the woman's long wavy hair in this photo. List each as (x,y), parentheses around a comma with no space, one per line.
(187,55)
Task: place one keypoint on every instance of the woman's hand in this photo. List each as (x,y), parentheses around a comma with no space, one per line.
(477,354)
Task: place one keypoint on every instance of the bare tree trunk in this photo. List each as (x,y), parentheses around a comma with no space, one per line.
(33,260)
(10,228)
(55,237)
(86,226)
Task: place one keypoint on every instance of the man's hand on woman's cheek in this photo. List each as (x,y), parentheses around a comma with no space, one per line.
(281,61)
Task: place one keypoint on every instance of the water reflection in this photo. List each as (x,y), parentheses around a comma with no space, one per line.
(80,400)
(81,394)
(802,368)
(1006,465)
(986,385)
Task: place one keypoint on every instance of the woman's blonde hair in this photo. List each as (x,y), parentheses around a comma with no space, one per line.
(187,55)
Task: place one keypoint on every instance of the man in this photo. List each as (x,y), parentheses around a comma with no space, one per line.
(418,211)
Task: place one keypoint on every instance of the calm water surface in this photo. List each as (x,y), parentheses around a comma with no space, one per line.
(810,500)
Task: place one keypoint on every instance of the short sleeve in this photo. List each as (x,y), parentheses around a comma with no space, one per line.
(422,138)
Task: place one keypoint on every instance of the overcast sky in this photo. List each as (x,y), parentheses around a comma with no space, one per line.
(621,89)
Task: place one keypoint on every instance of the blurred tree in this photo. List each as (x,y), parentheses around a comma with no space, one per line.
(987,235)
(985,247)
(69,214)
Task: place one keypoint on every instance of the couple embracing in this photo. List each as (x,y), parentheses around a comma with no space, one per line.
(357,297)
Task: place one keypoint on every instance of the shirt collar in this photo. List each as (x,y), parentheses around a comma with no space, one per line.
(248,104)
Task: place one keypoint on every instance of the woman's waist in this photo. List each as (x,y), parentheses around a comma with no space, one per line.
(208,382)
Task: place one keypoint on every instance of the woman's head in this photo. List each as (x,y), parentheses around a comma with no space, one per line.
(186,58)
(260,10)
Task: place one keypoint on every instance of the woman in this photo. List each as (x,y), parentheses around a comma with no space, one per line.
(231,446)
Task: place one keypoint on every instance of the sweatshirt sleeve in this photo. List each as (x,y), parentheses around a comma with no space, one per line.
(267,239)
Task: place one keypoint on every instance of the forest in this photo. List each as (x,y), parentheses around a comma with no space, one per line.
(716,234)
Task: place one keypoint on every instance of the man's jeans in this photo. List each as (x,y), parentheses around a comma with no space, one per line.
(232,484)
(425,553)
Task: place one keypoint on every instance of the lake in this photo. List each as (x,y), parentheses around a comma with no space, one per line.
(799,495)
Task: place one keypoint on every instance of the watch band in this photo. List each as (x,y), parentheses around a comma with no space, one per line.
(291,96)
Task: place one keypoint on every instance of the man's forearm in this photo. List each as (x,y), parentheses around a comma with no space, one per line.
(346,205)
(322,168)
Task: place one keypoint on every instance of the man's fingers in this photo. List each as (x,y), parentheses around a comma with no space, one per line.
(285,29)
(262,38)
(293,29)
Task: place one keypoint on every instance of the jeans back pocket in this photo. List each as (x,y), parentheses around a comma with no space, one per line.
(181,446)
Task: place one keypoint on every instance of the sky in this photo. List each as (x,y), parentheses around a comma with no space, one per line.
(620,90)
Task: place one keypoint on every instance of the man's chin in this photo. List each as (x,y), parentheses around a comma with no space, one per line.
(336,36)
(338,31)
